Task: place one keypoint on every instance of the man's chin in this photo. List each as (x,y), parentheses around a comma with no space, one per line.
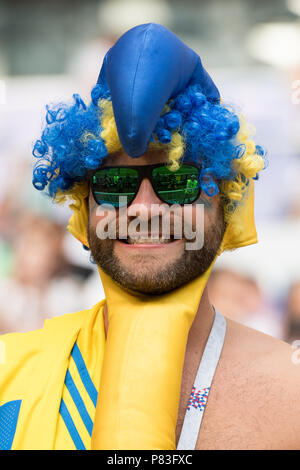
(149,282)
(155,272)
(151,277)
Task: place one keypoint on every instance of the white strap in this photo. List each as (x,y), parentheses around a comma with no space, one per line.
(206,371)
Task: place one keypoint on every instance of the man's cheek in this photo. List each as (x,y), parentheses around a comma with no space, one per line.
(194,221)
(104,221)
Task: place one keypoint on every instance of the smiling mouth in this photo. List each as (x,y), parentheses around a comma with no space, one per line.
(148,240)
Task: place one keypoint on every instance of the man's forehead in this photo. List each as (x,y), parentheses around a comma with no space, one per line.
(151,156)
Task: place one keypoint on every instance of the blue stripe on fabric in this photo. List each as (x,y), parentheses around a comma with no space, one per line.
(9,413)
(84,375)
(71,426)
(79,402)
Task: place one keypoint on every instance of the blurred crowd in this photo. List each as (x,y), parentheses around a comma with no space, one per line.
(240,298)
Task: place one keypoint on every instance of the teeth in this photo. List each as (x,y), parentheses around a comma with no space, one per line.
(152,240)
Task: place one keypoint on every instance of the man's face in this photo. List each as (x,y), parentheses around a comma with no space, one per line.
(155,266)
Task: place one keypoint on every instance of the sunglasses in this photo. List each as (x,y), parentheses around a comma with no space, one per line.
(173,187)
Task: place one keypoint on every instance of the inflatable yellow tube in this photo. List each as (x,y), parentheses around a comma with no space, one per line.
(141,376)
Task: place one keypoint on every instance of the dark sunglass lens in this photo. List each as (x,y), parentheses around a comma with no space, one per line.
(177,187)
(108,184)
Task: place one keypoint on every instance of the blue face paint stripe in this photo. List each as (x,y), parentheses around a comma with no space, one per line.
(79,402)
(84,375)
(71,426)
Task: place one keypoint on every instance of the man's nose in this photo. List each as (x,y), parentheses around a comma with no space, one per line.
(146,202)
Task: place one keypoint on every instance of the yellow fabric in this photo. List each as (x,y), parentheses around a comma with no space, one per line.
(241,229)
(34,372)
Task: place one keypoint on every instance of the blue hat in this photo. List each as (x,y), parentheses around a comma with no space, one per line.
(145,68)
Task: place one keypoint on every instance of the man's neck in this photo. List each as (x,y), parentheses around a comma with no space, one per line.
(200,328)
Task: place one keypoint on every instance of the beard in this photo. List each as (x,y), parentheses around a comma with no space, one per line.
(187,267)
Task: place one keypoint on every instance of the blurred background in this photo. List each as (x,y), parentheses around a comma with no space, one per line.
(50,50)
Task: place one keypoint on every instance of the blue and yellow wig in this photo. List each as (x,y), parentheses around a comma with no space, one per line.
(77,138)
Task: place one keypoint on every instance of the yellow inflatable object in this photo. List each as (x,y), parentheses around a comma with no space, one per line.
(141,377)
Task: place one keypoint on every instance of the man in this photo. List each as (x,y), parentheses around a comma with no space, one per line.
(154,366)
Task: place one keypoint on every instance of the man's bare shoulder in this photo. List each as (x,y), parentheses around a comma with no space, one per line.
(255,393)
